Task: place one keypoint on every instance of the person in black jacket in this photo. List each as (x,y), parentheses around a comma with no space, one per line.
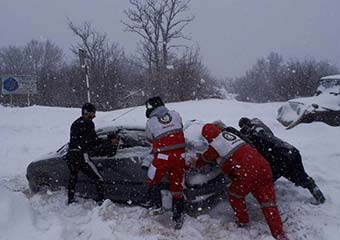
(285,160)
(83,142)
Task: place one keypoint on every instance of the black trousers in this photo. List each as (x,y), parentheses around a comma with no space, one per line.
(288,163)
(78,161)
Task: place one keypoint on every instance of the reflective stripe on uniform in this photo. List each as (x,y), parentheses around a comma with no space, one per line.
(91,164)
(268,204)
(152,172)
(236,195)
(172,131)
(162,156)
(168,148)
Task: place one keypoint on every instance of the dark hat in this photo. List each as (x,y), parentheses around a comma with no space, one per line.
(87,108)
(151,104)
(243,122)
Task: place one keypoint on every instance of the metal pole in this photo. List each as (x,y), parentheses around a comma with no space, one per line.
(87,83)
(10,100)
(28,98)
(83,64)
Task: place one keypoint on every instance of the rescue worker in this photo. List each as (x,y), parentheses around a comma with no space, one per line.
(248,171)
(164,129)
(83,142)
(284,159)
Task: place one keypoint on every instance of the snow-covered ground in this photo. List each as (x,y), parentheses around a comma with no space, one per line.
(27,133)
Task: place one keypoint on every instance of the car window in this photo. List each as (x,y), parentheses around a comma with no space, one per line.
(132,138)
(128,137)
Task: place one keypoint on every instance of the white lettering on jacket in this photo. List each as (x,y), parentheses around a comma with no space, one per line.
(226,143)
(157,129)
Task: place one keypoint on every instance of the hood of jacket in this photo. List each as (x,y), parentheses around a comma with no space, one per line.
(159,112)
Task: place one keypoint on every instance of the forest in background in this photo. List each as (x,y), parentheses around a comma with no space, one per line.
(165,63)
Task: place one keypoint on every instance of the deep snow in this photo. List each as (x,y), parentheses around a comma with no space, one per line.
(27,133)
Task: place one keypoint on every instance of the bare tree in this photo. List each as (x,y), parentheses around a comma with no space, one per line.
(106,60)
(272,79)
(12,60)
(43,59)
(159,23)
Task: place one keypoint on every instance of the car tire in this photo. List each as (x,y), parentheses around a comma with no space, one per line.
(40,184)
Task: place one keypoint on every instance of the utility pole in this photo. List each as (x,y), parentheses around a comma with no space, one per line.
(83,64)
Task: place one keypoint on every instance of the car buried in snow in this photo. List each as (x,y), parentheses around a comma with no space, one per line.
(124,169)
(324,106)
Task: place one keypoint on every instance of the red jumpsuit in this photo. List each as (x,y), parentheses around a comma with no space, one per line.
(164,129)
(249,173)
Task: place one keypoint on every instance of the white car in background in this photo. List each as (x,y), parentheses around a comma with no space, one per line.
(324,106)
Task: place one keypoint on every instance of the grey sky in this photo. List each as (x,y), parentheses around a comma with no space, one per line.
(231,34)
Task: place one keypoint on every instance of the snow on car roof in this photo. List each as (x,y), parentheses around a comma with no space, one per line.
(113,128)
(324,101)
(331,77)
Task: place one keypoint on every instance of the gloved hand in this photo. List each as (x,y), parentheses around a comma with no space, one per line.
(245,130)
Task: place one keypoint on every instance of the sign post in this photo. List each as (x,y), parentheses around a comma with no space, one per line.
(19,84)
(83,64)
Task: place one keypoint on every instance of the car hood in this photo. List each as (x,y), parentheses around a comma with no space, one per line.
(324,101)
(55,154)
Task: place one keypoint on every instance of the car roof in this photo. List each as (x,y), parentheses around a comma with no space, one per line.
(115,128)
(331,77)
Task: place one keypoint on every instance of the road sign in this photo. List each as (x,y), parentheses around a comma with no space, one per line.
(23,84)
(10,84)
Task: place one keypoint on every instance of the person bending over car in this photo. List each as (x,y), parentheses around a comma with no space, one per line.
(164,129)
(248,171)
(83,142)
(285,160)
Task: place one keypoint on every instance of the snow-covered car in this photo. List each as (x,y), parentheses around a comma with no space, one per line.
(324,106)
(124,169)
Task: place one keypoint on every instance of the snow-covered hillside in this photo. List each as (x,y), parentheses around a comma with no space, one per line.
(27,133)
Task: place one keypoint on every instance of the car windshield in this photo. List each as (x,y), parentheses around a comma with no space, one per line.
(133,137)
(129,137)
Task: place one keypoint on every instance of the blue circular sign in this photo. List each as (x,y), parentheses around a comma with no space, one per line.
(11,84)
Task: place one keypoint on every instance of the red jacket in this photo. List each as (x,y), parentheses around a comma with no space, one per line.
(236,163)
(164,129)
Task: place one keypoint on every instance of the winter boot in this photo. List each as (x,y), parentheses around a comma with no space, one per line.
(100,192)
(316,192)
(70,196)
(70,201)
(154,200)
(178,215)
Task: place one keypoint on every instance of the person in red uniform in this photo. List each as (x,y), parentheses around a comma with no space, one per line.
(249,173)
(164,129)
